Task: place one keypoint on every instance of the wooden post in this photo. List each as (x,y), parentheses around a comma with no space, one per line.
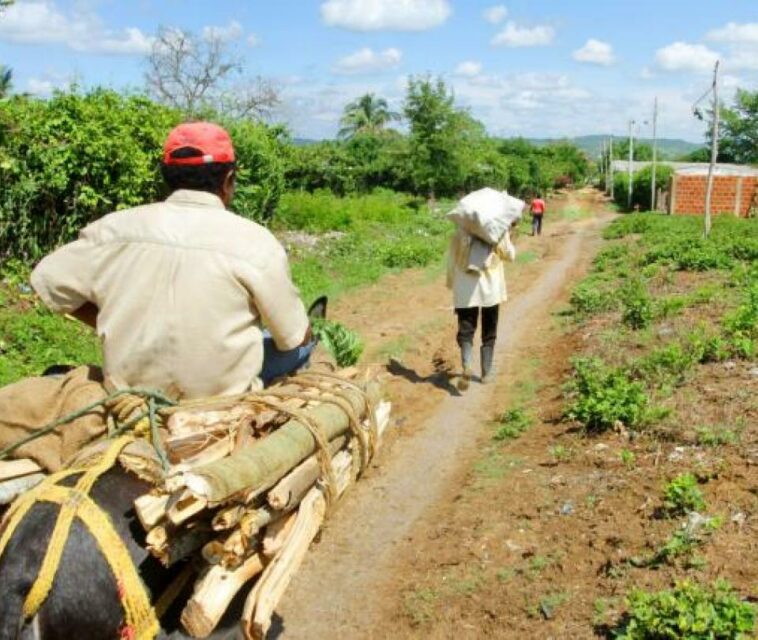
(653,190)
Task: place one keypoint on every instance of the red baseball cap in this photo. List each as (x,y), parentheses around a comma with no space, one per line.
(210,142)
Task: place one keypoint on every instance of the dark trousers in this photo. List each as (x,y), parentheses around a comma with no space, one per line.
(537,225)
(469,318)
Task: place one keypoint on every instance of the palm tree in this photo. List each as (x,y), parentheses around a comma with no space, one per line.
(367,114)
(6,77)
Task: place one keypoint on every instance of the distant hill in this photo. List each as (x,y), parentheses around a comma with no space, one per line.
(670,148)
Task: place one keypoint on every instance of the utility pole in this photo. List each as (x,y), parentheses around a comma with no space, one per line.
(653,187)
(714,149)
(603,167)
(631,162)
(610,166)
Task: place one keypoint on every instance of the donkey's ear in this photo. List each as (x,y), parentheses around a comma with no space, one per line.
(318,308)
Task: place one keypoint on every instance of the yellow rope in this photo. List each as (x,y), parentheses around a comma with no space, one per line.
(75,502)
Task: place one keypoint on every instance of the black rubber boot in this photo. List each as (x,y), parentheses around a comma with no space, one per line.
(467,355)
(487,354)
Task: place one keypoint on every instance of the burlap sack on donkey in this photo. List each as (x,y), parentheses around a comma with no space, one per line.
(33,403)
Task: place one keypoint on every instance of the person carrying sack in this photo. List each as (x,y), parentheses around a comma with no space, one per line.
(478,250)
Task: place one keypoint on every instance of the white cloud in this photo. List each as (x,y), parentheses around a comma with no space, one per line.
(253,40)
(368,61)
(42,88)
(496,14)
(385,15)
(734,32)
(231,32)
(595,52)
(41,22)
(469,69)
(515,36)
(682,56)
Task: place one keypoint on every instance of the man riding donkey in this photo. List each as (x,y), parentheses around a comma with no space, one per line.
(178,291)
(478,249)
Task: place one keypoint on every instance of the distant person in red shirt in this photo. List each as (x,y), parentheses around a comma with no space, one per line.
(537,209)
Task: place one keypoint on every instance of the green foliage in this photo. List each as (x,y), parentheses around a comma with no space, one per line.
(716,436)
(512,423)
(260,152)
(367,114)
(628,458)
(438,135)
(67,161)
(641,186)
(637,305)
(343,344)
(687,611)
(31,337)
(381,231)
(682,495)
(590,297)
(739,129)
(600,397)
(73,158)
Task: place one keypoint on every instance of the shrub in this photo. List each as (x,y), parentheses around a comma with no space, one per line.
(687,611)
(637,305)
(588,298)
(682,495)
(512,424)
(602,397)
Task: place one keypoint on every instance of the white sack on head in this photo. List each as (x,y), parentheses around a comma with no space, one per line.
(487,214)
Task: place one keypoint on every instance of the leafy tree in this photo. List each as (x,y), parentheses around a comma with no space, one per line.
(739,129)
(435,125)
(367,114)
(642,151)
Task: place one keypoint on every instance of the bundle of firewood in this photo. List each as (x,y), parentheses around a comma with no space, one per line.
(249,486)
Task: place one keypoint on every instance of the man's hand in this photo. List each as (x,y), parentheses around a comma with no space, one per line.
(87,314)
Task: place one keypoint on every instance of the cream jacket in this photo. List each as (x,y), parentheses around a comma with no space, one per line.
(483,287)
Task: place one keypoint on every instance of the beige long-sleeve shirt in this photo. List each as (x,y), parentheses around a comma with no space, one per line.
(183,288)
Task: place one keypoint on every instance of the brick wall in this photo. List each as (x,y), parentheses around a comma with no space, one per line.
(732,195)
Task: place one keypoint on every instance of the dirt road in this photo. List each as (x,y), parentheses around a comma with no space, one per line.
(338,591)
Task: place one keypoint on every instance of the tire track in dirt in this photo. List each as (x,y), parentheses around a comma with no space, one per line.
(332,596)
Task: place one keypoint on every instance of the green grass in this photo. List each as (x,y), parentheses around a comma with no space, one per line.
(32,338)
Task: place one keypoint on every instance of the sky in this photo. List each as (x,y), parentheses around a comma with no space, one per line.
(533,68)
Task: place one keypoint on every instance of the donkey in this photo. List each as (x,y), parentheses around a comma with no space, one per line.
(84,601)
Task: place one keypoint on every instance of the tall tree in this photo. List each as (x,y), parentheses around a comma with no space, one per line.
(739,129)
(437,134)
(196,74)
(367,114)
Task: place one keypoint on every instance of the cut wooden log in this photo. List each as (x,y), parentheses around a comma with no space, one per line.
(276,535)
(213,594)
(12,489)
(263,600)
(151,509)
(156,540)
(290,490)
(183,506)
(257,468)
(228,518)
(11,469)
(213,552)
(253,521)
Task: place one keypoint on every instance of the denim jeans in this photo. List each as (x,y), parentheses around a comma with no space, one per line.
(280,363)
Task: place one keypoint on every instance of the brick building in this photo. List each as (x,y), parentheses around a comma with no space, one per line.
(735,190)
